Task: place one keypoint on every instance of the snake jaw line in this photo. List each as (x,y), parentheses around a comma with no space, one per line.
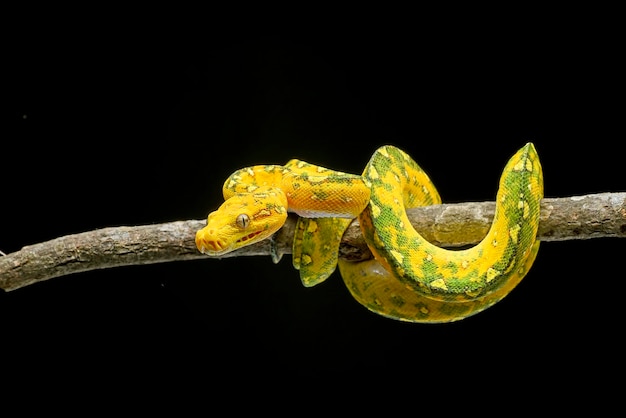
(248,237)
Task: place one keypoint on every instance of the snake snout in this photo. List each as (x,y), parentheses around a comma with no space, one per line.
(207,243)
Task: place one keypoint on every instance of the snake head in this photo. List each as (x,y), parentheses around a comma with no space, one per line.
(243,219)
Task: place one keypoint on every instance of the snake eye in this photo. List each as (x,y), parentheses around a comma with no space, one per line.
(242,221)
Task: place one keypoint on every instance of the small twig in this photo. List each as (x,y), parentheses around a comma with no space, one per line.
(449,225)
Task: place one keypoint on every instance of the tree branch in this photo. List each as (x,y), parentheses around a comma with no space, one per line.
(448,225)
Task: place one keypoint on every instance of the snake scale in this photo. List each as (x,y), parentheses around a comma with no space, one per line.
(409,279)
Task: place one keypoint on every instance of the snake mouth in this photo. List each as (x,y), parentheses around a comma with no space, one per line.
(210,245)
(248,237)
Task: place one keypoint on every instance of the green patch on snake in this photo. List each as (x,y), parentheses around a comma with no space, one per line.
(453,268)
(397,300)
(455,309)
(354,289)
(430,271)
(387,186)
(402,241)
(343,178)
(421,310)
(320,195)
(367,284)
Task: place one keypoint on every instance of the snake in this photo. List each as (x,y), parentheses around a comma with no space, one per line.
(409,278)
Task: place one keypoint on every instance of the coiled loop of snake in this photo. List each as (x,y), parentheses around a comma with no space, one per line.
(410,279)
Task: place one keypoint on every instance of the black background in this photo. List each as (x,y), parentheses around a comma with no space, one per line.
(106,129)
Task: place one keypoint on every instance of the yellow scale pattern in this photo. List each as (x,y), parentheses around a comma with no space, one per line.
(410,279)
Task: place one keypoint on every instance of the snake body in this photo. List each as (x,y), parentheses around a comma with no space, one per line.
(410,279)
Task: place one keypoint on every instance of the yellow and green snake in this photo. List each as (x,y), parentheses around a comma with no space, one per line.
(410,279)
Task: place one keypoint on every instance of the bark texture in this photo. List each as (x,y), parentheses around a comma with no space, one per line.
(448,225)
